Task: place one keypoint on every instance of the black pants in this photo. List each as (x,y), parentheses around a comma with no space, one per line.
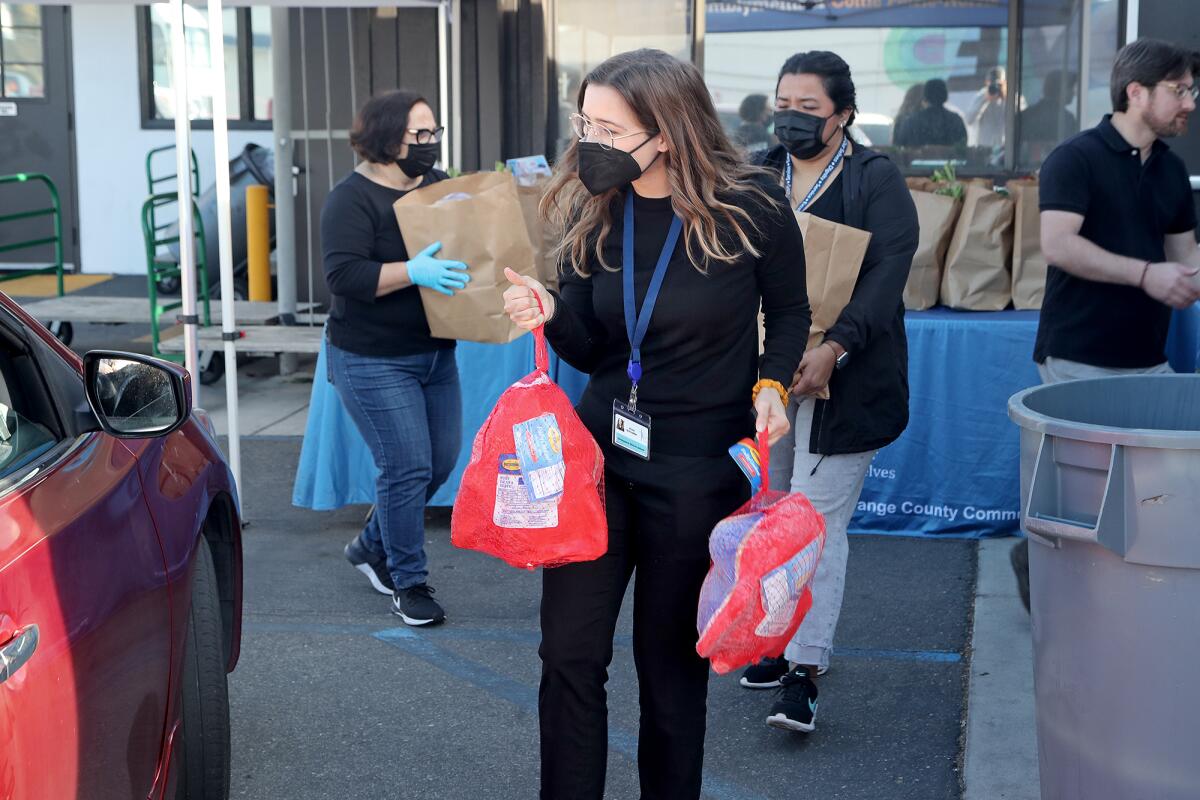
(660,515)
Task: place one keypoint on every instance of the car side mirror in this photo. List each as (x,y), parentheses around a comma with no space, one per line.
(135,396)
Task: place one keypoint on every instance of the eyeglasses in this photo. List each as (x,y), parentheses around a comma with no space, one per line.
(425,135)
(587,131)
(1181,90)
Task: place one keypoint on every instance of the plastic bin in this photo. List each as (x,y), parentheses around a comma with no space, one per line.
(1111,504)
(254,165)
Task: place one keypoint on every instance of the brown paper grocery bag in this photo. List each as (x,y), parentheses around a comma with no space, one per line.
(478,220)
(936,215)
(977,275)
(543,235)
(1028,265)
(833,257)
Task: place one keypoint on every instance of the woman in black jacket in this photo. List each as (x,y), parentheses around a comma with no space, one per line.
(863,359)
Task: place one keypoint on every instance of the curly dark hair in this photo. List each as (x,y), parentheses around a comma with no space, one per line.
(379,126)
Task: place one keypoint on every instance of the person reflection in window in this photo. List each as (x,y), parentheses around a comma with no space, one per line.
(934,124)
(752,134)
(909,106)
(986,112)
(1047,122)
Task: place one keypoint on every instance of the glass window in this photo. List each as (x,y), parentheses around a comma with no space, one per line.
(893,55)
(587,32)
(22,70)
(248,79)
(201,77)
(260,58)
(1103,38)
(1050,59)
(23,438)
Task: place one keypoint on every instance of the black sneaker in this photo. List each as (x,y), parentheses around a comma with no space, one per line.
(1019,557)
(375,570)
(766,673)
(416,606)
(796,710)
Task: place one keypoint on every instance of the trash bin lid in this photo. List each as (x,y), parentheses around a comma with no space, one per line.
(1137,410)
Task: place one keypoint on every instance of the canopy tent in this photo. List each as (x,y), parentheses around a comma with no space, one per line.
(448,79)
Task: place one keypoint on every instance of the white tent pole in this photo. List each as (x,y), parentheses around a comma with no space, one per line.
(183,172)
(216,40)
(456,82)
(443,80)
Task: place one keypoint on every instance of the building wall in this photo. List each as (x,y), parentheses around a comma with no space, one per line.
(110,143)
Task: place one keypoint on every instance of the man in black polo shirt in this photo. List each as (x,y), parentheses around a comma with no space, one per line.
(1118,230)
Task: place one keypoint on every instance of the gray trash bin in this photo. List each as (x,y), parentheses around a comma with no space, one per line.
(1110,500)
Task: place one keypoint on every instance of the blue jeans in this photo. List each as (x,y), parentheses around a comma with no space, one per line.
(409,411)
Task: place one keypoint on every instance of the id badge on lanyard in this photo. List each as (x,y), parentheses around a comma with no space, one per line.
(631,427)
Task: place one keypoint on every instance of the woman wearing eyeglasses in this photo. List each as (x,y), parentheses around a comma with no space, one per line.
(671,242)
(399,384)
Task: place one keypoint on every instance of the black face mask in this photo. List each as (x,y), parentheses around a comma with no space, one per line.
(800,133)
(601,170)
(420,159)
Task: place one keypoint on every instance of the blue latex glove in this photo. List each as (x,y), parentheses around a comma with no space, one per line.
(436,273)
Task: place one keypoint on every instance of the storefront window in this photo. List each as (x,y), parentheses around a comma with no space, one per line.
(927,94)
(587,32)
(1050,59)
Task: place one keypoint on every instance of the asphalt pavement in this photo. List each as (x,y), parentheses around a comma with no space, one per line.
(335,698)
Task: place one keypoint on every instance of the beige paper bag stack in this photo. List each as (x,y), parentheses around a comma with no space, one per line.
(977,275)
(1028,265)
(937,216)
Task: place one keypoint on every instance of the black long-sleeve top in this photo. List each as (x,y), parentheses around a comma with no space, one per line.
(700,356)
(359,234)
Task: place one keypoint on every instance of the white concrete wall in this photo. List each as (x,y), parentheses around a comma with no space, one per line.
(110,144)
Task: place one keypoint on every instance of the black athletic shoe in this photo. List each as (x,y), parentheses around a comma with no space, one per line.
(796,710)
(366,563)
(766,673)
(1019,556)
(416,606)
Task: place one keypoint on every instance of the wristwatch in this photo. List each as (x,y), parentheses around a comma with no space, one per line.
(840,359)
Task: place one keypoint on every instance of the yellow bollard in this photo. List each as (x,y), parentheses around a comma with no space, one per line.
(258,243)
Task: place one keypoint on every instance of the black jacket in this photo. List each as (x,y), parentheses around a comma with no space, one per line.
(868,405)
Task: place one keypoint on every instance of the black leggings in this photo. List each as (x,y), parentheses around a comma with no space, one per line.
(660,515)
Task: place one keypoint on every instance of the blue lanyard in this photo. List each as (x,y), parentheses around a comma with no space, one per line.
(636,324)
(816,189)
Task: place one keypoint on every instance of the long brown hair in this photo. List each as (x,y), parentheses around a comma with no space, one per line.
(703,167)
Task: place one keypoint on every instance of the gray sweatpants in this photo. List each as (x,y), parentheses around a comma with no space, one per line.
(832,484)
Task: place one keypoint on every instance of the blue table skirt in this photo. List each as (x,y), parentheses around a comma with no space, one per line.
(954,472)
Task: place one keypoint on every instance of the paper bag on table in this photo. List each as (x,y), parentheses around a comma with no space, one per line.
(478,220)
(936,216)
(833,257)
(977,275)
(1028,265)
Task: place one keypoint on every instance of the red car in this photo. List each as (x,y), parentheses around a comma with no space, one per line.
(120,577)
